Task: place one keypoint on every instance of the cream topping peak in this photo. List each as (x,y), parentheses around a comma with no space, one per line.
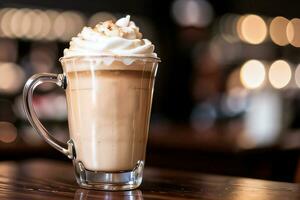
(121,38)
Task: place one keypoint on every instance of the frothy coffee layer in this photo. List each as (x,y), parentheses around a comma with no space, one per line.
(120,38)
(107,63)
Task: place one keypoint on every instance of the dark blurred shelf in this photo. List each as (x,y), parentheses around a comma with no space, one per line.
(215,139)
(218,150)
(186,138)
(21,151)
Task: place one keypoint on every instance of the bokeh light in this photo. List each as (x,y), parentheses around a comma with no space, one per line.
(263,118)
(252,74)
(36,24)
(60,25)
(5,22)
(100,17)
(46,25)
(280,74)
(278,31)
(26,23)
(2,12)
(67,24)
(16,23)
(12,78)
(79,20)
(239,27)
(292,31)
(52,15)
(197,13)
(297,76)
(8,132)
(252,29)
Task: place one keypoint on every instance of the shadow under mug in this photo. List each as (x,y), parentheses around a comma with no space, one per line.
(109,102)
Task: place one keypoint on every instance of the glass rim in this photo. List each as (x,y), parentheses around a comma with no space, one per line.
(146,58)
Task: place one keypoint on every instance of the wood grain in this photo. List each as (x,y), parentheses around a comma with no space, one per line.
(45,179)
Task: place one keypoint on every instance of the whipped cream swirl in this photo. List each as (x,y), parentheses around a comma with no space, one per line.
(121,38)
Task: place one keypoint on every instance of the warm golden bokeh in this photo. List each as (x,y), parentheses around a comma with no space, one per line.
(278,28)
(252,74)
(37,24)
(292,31)
(8,132)
(297,76)
(280,74)
(12,77)
(252,29)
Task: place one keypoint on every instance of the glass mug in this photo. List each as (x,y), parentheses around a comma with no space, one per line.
(109,100)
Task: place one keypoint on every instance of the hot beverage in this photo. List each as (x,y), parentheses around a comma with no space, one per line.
(109,74)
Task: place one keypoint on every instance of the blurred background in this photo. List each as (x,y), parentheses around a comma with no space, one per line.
(227,93)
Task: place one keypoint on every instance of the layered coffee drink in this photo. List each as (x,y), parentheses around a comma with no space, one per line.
(109,114)
(110,71)
(109,74)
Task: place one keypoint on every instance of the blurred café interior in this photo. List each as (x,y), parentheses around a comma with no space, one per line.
(226,100)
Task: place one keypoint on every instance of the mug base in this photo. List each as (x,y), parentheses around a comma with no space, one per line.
(109,181)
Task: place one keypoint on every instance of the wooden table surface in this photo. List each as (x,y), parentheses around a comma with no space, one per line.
(45,179)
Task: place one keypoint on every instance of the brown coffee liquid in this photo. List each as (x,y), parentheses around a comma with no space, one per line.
(109,117)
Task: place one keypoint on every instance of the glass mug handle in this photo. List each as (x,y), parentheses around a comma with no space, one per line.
(31,84)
